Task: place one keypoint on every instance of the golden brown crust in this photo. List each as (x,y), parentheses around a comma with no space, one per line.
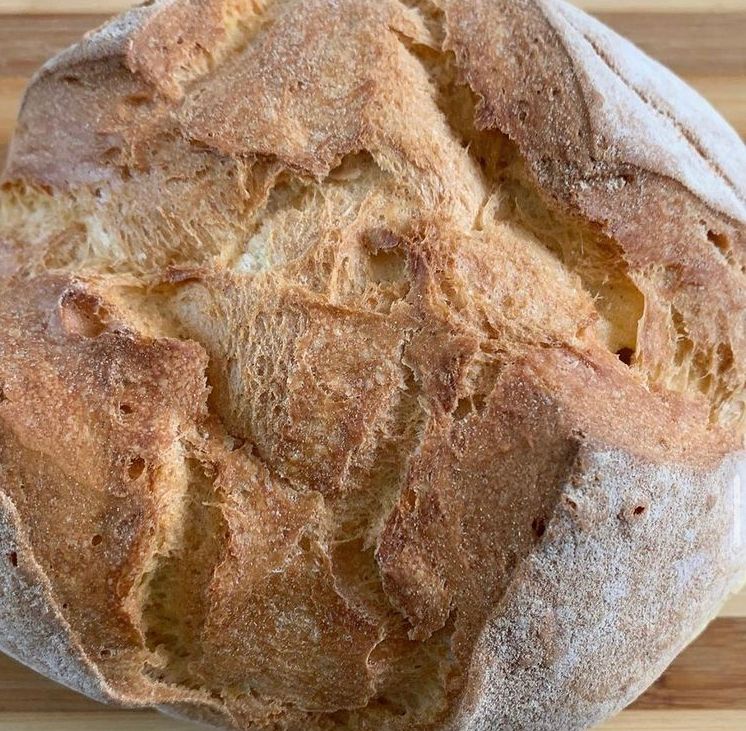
(628,146)
(363,365)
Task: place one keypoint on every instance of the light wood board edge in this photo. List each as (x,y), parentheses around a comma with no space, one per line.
(684,720)
(659,6)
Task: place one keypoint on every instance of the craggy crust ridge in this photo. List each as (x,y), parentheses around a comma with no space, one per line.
(368,364)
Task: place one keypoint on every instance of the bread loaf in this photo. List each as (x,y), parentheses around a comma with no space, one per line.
(368,364)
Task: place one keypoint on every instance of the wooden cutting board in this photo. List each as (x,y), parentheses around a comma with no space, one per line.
(702,40)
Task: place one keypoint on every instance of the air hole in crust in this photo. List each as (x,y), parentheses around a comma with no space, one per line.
(720,241)
(13,558)
(625,355)
(137,100)
(387,266)
(111,154)
(125,409)
(463,409)
(135,468)
(96,540)
(81,314)
(466,406)
(105,653)
(639,510)
(236,443)
(539,527)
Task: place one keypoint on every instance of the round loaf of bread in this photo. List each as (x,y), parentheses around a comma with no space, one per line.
(368,365)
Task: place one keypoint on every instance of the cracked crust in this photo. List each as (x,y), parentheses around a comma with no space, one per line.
(368,365)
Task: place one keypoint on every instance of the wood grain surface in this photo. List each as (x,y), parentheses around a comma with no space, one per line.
(704,42)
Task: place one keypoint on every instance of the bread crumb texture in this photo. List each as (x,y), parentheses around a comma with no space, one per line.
(367,364)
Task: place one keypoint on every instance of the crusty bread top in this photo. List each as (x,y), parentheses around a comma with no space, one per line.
(607,99)
(606,132)
(338,336)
